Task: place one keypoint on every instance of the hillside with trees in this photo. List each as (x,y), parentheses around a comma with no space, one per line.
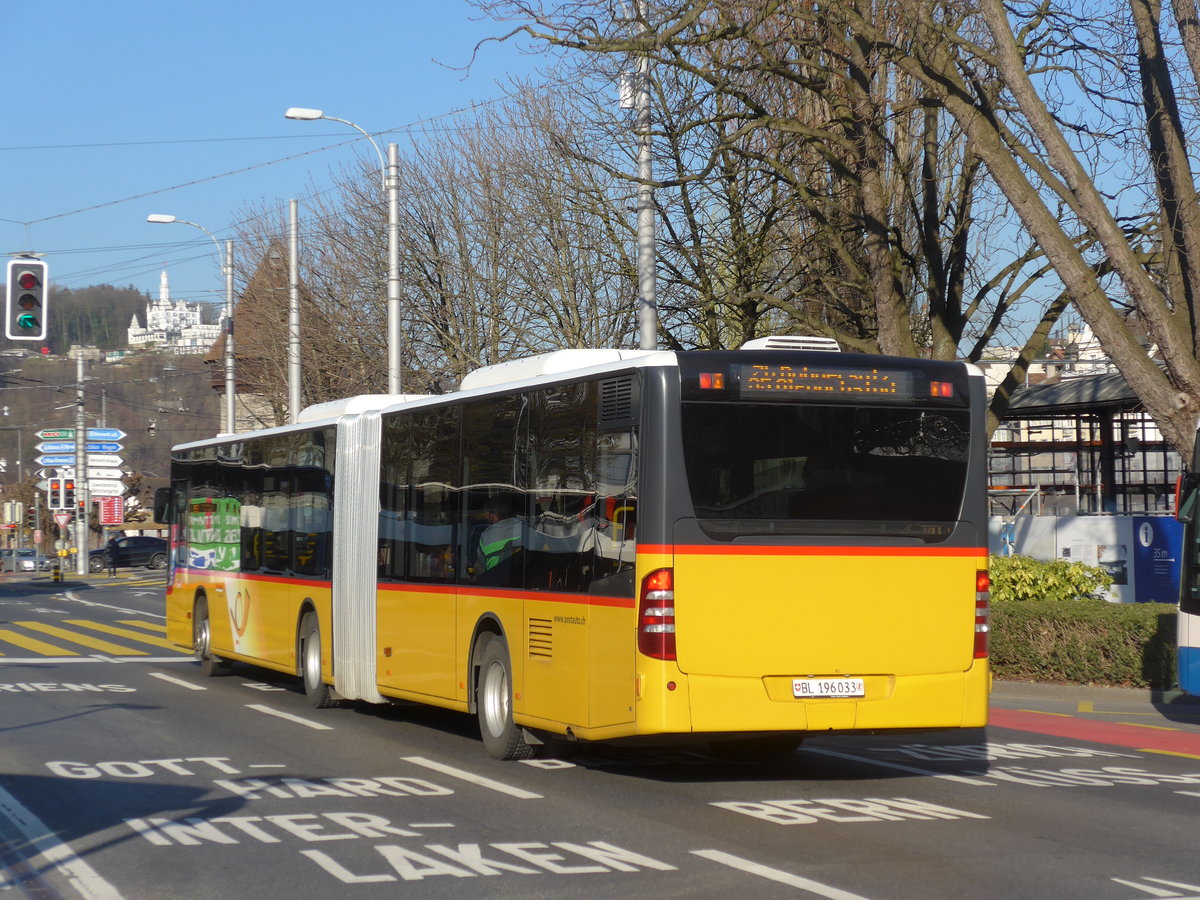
(96,316)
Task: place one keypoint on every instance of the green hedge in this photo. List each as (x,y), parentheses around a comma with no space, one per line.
(1048,625)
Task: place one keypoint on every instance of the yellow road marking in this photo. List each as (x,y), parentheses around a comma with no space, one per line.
(122,632)
(1173,753)
(28,643)
(1085,706)
(1155,727)
(149,626)
(82,639)
(1042,712)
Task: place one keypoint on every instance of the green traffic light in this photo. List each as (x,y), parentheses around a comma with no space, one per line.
(27,321)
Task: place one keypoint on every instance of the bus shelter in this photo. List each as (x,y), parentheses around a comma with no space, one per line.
(1080,445)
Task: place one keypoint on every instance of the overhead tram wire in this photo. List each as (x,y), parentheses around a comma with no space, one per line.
(251,168)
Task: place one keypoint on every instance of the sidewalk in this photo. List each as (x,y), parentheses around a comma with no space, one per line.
(1160,721)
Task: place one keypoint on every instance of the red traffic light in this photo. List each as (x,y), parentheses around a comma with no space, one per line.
(27,280)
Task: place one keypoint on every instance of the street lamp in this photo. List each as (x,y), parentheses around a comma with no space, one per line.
(230,382)
(391,184)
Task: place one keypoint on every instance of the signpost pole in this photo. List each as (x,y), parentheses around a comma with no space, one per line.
(83,505)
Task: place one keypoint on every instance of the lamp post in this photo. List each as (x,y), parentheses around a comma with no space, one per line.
(230,381)
(391,184)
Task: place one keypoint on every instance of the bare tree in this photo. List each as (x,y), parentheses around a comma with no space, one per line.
(1136,262)
(806,180)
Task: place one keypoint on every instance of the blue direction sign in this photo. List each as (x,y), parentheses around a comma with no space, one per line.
(105,434)
(56,447)
(103,446)
(67,459)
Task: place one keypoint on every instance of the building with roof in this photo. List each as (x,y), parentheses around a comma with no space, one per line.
(1077,440)
(175,326)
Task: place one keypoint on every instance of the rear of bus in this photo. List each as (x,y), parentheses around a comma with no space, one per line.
(816,560)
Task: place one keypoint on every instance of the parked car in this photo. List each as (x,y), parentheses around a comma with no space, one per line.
(26,559)
(133,550)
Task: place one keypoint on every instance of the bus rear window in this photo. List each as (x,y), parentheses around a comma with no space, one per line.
(786,468)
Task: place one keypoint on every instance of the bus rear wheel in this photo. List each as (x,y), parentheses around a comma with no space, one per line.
(319,694)
(502,738)
(210,665)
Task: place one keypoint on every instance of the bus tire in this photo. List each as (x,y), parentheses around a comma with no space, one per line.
(502,738)
(319,694)
(210,666)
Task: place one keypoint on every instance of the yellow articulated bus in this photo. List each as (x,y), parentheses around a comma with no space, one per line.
(741,547)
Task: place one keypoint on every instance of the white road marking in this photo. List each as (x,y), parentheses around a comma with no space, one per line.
(308,723)
(82,877)
(125,660)
(1193,891)
(519,793)
(753,868)
(134,612)
(162,676)
(899,767)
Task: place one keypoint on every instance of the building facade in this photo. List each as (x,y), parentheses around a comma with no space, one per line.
(175,326)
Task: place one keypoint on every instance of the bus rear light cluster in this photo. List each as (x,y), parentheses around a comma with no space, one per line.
(983,587)
(656,615)
(941,389)
(712,381)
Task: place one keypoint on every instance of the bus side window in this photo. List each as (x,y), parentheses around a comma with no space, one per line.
(431,527)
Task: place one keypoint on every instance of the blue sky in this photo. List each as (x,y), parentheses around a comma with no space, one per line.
(142,106)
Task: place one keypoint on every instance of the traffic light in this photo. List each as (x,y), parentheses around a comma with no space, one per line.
(25,300)
(54,494)
(68,493)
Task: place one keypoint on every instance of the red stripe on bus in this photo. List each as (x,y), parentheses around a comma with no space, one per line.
(760,550)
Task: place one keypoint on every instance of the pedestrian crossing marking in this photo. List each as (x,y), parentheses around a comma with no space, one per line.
(149,626)
(122,632)
(28,643)
(82,639)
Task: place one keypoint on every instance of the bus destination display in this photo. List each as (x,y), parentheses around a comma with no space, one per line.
(825,382)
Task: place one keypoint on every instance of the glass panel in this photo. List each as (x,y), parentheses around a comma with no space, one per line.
(564,463)
(393,496)
(799,469)
(496,514)
(429,533)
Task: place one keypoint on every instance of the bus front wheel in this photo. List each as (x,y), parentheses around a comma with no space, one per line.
(210,665)
(502,738)
(319,694)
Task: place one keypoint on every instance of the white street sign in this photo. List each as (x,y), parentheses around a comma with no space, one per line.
(104,460)
(99,472)
(57,472)
(105,488)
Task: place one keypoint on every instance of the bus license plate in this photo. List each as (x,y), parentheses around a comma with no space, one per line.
(828,687)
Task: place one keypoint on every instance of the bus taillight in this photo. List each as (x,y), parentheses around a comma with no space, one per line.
(983,586)
(656,615)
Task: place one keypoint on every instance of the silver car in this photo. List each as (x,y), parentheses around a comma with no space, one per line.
(25,559)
